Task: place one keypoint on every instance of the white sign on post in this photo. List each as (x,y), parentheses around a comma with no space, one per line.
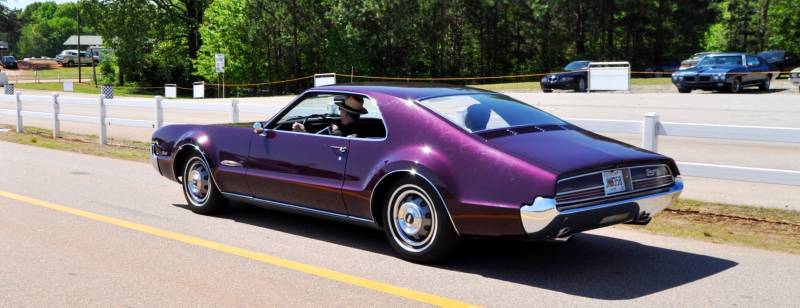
(68,86)
(219,61)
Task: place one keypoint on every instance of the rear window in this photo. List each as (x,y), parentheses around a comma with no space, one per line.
(479,112)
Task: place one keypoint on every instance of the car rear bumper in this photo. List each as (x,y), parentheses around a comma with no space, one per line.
(542,220)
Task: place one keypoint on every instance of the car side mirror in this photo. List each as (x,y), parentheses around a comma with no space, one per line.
(258,128)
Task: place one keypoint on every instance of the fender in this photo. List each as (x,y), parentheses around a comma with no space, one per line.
(418,171)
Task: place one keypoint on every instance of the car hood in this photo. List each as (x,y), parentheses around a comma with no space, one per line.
(571,150)
(797,70)
(710,69)
(567,74)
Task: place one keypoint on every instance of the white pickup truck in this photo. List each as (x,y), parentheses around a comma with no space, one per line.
(69,57)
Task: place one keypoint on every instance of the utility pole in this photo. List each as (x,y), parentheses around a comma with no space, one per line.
(79,42)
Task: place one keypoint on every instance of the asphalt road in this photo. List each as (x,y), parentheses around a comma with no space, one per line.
(779,109)
(54,255)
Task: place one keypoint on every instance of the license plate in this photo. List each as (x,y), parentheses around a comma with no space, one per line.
(613,182)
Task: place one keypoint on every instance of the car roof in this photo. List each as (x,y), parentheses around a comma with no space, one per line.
(404,90)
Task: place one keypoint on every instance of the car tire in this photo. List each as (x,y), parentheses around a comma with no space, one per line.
(764,86)
(70,63)
(199,188)
(683,90)
(736,85)
(545,90)
(580,86)
(417,223)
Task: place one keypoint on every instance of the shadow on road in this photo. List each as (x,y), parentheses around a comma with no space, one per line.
(590,265)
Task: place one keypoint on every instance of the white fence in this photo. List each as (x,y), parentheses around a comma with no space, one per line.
(650,128)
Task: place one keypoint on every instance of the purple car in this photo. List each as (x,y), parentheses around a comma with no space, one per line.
(428,165)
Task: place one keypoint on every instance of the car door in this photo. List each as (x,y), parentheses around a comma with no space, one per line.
(757,73)
(297,168)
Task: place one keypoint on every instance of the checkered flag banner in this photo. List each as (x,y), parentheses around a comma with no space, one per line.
(8,89)
(107,91)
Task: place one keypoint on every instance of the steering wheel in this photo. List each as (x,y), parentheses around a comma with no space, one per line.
(321,116)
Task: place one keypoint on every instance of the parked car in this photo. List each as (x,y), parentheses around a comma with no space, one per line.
(9,62)
(783,60)
(431,164)
(70,58)
(692,61)
(726,71)
(573,77)
(659,71)
(794,76)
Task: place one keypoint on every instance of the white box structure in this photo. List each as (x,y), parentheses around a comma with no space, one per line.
(68,87)
(170,90)
(609,76)
(198,90)
(324,79)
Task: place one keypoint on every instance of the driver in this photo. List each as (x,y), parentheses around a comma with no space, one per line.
(350,110)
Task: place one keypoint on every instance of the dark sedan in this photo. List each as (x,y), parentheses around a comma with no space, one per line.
(573,77)
(9,62)
(781,59)
(426,164)
(726,71)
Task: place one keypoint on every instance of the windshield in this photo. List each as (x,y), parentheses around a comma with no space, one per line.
(721,60)
(8,58)
(771,54)
(576,65)
(487,111)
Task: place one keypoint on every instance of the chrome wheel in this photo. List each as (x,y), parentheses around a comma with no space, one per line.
(411,218)
(197,181)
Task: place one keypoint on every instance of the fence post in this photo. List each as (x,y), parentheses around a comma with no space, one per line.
(103,129)
(56,121)
(19,113)
(234,110)
(650,132)
(159,113)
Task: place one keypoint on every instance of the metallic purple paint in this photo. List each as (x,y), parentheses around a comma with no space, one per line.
(483,183)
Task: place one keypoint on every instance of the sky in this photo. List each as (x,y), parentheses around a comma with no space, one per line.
(21,4)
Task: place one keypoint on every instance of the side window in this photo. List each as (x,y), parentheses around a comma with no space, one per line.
(752,61)
(319,113)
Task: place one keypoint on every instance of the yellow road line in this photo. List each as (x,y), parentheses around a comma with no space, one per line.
(276,261)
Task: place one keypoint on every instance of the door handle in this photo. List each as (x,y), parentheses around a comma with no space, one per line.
(341,149)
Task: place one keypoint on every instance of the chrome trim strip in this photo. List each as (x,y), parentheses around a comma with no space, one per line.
(230,163)
(297,209)
(584,200)
(652,178)
(542,212)
(413,172)
(595,172)
(579,190)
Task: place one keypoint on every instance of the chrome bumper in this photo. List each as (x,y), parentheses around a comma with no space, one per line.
(543,219)
(154,158)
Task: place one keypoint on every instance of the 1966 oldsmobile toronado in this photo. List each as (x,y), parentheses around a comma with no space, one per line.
(428,164)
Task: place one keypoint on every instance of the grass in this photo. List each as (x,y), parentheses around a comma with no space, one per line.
(62,72)
(87,88)
(771,229)
(86,144)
